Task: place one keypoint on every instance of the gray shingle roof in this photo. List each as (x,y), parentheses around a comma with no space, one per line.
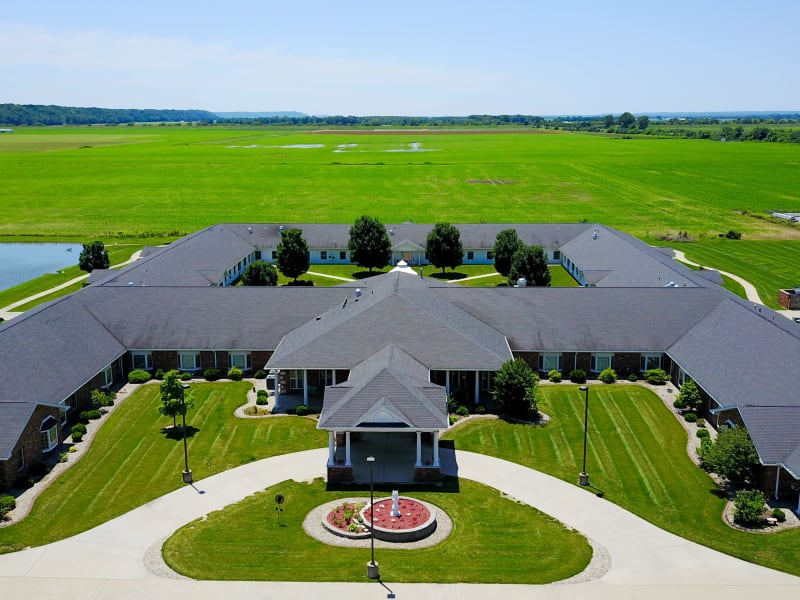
(389,388)
(396,307)
(775,431)
(14,417)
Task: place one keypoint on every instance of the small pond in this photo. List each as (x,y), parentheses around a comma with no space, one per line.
(22,262)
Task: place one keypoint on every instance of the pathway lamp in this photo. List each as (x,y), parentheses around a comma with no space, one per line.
(187,472)
(584,476)
(372,566)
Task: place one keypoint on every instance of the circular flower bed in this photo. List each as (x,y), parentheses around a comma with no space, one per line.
(345,520)
(412,514)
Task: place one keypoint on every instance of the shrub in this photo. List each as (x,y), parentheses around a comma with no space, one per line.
(690,417)
(186,376)
(732,456)
(301,410)
(79,428)
(99,399)
(733,235)
(263,401)
(703,433)
(235,373)
(608,375)
(554,375)
(160,374)
(480,409)
(656,376)
(77,436)
(138,376)
(452,419)
(679,404)
(700,422)
(633,378)
(211,374)
(260,374)
(7,504)
(262,393)
(462,411)
(577,376)
(748,507)
(778,514)
(63,457)
(690,395)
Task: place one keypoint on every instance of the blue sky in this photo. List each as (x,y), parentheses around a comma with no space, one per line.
(404,58)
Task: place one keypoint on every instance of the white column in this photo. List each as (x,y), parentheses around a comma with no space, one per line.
(347,462)
(447,381)
(436,449)
(334,377)
(777,481)
(331,447)
(419,449)
(477,387)
(277,387)
(305,387)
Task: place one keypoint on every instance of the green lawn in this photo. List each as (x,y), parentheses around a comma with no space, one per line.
(131,461)
(636,457)
(494,540)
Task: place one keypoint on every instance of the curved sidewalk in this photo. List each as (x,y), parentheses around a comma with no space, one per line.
(749,289)
(108,561)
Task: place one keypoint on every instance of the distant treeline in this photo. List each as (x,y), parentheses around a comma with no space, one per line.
(779,127)
(38,114)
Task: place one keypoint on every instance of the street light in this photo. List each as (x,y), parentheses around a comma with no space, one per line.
(187,473)
(584,476)
(372,566)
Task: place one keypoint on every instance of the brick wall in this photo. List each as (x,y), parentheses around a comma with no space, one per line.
(31,443)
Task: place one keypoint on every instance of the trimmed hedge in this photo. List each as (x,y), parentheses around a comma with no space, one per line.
(656,376)
(7,504)
(235,373)
(260,374)
(608,376)
(212,374)
(301,410)
(138,376)
(577,376)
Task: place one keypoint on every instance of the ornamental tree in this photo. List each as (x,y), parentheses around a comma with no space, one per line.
(530,262)
(506,245)
(260,273)
(443,247)
(732,456)
(689,396)
(293,255)
(93,256)
(514,389)
(369,243)
(174,399)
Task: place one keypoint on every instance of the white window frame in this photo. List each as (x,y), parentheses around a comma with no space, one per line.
(470,255)
(20,458)
(342,254)
(487,380)
(49,437)
(647,357)
(546,357)
(683,377)
(240,359)
(598,366)
(108,376)
(323,255)
(148,360)
(184,356)
(296,379)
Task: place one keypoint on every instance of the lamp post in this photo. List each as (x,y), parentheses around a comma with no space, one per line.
(372,566)
(187,473)
(584,476)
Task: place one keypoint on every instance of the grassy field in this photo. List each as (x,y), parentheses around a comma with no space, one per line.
(231,545)
(636,457)
(132,461)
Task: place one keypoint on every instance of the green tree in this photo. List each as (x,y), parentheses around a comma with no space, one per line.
(175,400)
(443,247)
(626,120)
(369,243)
(732,456)
(93,256)
(506,245)
(293,254)
(514,389)
(260,273)
(608,121)
(748,507)
(530,262)
(689,396)
(642,122)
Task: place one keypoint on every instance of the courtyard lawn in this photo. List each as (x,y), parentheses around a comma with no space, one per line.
(494,540)
(132,461)
(636,457)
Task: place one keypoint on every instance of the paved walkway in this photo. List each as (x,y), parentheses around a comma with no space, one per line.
(108,562)
(749,288)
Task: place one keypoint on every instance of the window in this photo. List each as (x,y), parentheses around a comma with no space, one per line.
(682,377)
(490,255)
(342,255)
(556,254)
(108,376)
(487,379)
(325,377)
(470,255)
(650,361)
(548,362)
(323,254)
(189,361)
(141,360)
(20,459)
(296,379)
(49,434)
(602,361)
(274,255)
(239,359)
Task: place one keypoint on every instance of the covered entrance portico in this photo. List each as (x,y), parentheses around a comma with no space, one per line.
(400,456)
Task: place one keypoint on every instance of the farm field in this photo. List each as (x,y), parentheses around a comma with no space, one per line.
(113,183)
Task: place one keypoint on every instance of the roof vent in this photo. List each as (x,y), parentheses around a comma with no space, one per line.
(595,233)
(358,294)
(280,227)
(391,232)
